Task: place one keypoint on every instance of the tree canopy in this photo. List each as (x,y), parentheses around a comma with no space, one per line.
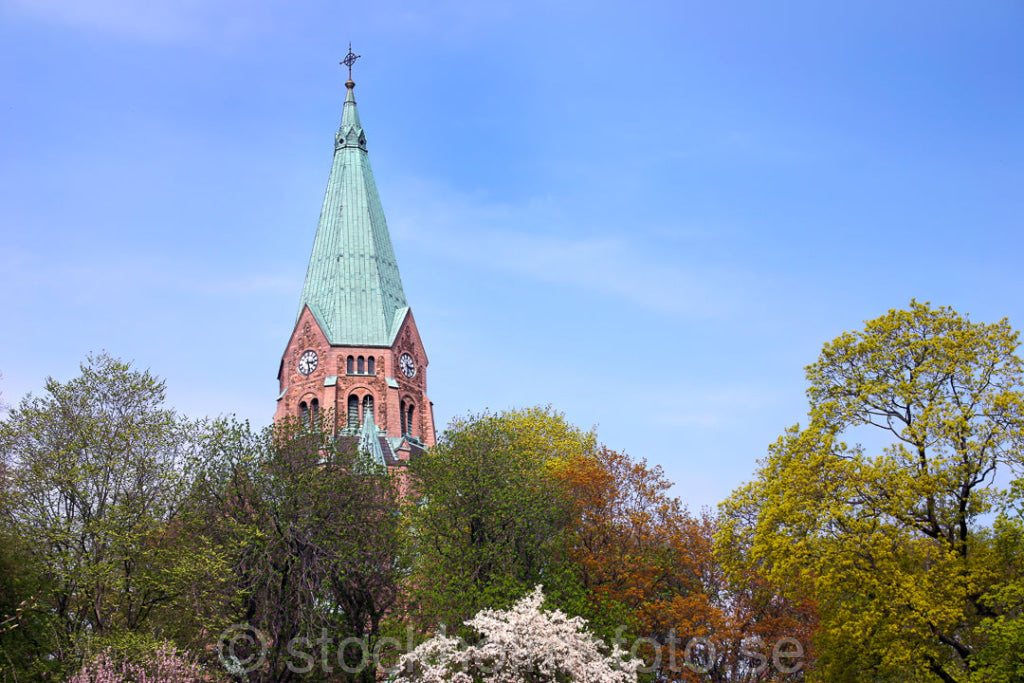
(93,473)
(489,521)
(313,541)
(512,499)
(892,540)
(135,541)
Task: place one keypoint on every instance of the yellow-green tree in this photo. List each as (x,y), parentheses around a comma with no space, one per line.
(1001,656)
(890,539)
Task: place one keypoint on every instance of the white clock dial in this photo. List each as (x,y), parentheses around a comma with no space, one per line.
(308,362)
(408,365)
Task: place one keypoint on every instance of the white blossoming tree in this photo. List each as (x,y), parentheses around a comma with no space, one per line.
(522,644)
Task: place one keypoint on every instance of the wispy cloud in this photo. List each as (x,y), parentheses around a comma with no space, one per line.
(538,241)
(25,275)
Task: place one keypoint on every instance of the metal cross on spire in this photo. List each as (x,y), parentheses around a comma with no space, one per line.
(349,60)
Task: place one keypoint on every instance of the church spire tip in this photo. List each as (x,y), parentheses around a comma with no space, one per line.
(349,60)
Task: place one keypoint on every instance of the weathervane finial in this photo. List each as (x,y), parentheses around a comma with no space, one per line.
(349,60)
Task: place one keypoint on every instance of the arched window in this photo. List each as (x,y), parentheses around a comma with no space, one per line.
(304,413)
(368,407)
(315,406)
(401,413)
(408,420)
(361,367)
(349,368)
(353,411)
(369,366)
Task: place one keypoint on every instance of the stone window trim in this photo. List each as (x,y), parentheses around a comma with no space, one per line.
(407,412)
(360,366)
(307,409)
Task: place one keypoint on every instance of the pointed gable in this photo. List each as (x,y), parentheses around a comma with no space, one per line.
(352,284)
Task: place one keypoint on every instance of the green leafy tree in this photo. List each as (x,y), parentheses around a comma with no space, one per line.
(316,536)
(1000,659)
(25,630)
(891,541)
(92,475)
(490,520)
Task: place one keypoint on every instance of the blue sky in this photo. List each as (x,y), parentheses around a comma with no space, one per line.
(650,215)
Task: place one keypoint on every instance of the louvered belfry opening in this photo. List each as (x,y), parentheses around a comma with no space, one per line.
(353,411)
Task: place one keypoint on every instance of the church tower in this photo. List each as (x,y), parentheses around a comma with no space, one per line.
(355,351)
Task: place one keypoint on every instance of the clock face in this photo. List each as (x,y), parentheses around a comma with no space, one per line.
(308,362)
(407,364)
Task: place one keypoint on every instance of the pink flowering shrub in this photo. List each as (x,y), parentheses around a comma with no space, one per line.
(165,665)
(523,643)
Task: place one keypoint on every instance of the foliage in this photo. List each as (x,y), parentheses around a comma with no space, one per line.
(891,544)
(128,531)
(316,538)
(93,472)
(516,498)
(25,630)
(523,643)
(490,519)
(649,565)
(1000,658)
(620,535)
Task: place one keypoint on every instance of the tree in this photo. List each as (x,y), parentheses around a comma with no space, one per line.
(648,564)
(523,643)
(92,475)
(25,630)
(490,519)
(1000,657)
(622,537)
(891,541)
(315,529)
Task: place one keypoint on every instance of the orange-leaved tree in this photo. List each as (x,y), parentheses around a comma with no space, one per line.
(655,581)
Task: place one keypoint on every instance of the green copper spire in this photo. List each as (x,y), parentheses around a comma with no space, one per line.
(352,284)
